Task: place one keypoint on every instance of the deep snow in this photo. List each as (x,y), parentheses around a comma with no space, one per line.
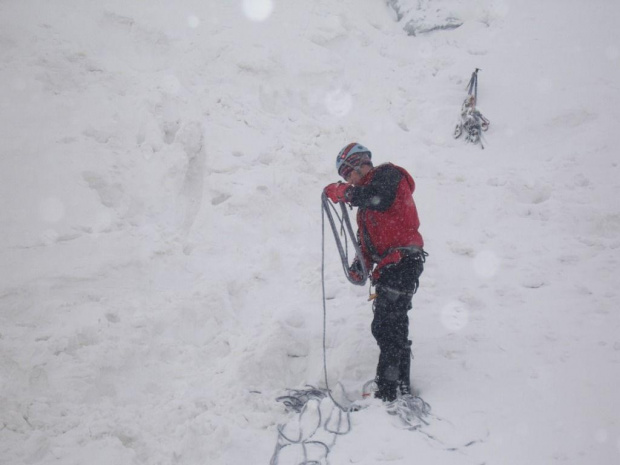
(161,166)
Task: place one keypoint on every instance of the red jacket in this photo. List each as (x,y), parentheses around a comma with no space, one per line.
(387,218)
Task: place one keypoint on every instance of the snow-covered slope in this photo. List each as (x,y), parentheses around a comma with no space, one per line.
(161,168)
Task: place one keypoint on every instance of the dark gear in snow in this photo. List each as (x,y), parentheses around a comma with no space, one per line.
(472,122)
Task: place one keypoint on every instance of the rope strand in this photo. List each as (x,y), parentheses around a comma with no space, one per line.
(298,400)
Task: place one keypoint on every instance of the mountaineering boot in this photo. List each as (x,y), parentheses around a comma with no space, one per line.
(386,389)
(386,396)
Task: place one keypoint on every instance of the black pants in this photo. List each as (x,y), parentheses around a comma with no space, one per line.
(390,325)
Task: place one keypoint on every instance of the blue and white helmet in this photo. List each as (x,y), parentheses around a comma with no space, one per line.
(351,157)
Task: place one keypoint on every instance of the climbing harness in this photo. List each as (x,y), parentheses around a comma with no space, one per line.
(343,251)
(472,121)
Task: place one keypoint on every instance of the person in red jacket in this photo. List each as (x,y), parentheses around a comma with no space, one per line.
(388,223)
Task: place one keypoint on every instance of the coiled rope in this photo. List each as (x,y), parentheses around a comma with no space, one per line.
(347,230)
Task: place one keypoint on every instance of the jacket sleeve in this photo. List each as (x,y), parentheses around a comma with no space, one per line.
(380,193)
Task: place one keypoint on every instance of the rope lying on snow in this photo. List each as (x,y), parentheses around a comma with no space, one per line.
(314,431)
(412,410)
